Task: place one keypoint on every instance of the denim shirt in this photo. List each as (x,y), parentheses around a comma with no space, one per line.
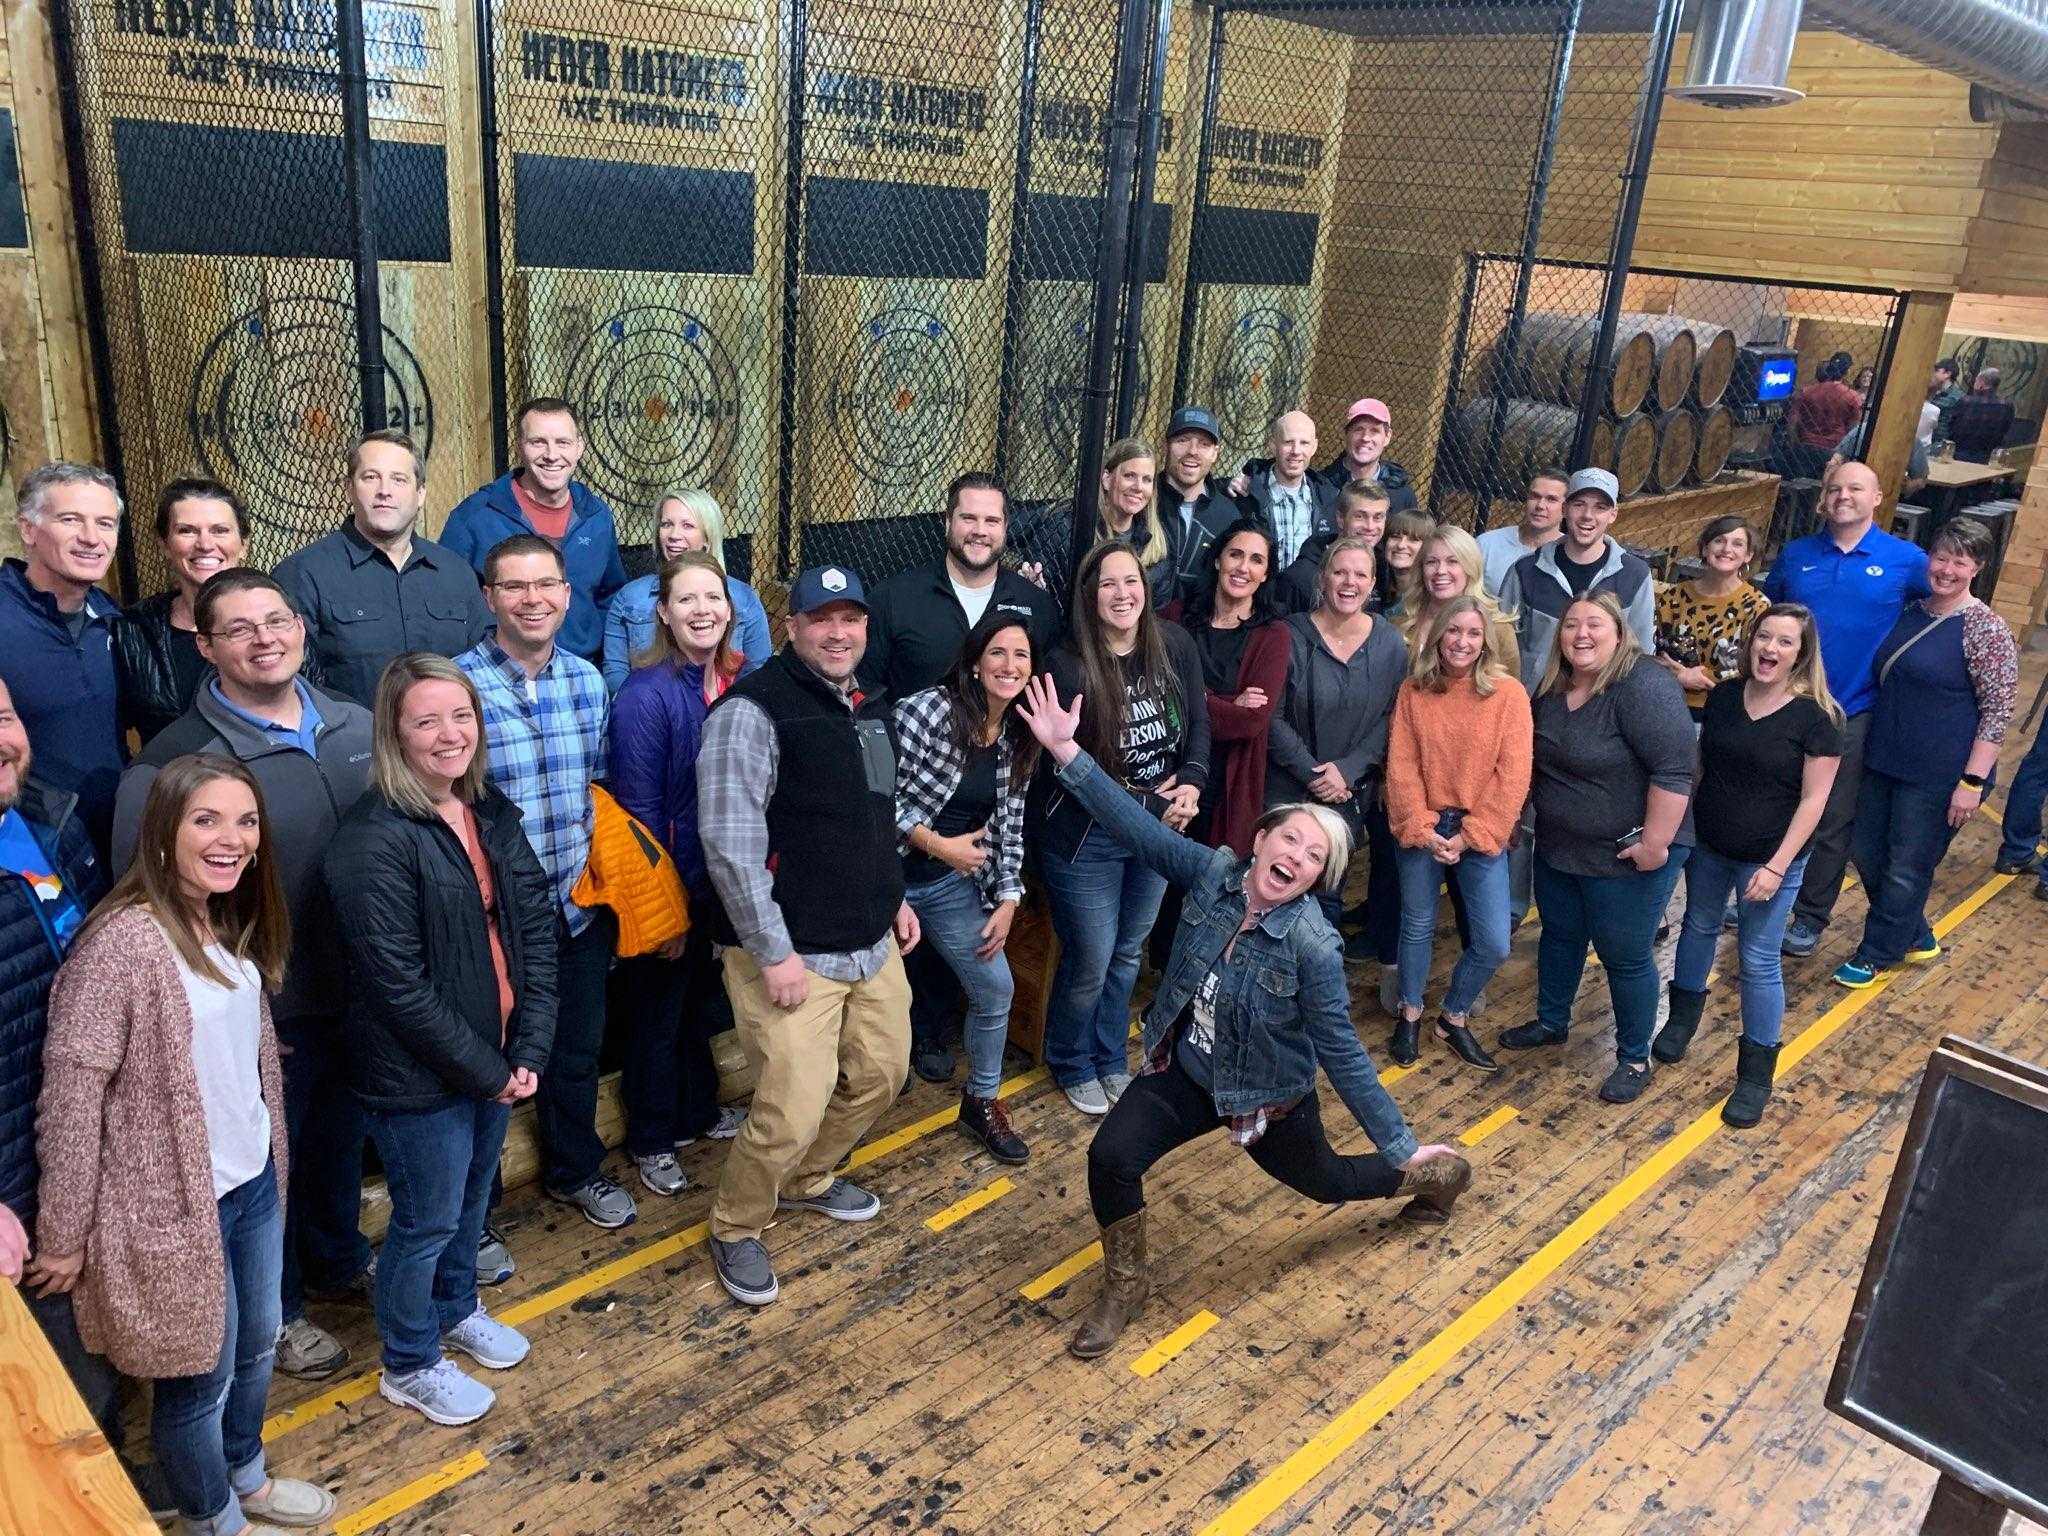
(1282,1007)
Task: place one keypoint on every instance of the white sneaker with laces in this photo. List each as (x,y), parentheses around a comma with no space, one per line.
(487,1341)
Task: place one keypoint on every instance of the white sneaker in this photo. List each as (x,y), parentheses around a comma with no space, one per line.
(1114,1084)
(662,1174)
(1088,1097)
(487,1341)
(441,1392)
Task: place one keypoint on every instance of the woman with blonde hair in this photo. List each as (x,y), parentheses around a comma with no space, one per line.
(1126,512)
(1452,565)
(161,1136)
(1612,784)
(447,924)
(1457,774)
(683,521)
(1770,743)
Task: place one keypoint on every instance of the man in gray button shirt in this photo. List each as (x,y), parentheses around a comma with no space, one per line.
(374,589)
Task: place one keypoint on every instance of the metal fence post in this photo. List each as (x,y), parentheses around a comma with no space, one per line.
(359,189)
(1128,365)
(1020,235)
(494,249)
(1183,354)
(1461,339)
(792,282)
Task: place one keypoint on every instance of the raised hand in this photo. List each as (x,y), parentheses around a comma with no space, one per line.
(1053,725)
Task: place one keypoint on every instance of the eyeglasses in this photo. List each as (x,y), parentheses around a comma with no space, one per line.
(547,586)
(242,631)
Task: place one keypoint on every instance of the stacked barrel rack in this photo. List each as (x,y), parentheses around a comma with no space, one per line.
(1662,425)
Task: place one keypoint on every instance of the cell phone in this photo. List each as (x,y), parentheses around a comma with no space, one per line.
(1449,821)
(1628,840)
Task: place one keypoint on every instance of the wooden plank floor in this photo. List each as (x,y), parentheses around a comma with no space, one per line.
(1628,1327)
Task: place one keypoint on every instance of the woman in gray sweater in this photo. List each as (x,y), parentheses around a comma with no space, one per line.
(1613,789)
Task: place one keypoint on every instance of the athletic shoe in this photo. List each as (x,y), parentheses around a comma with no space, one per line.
(1924,954)
(441,1392)
(843,1200)
(288,1501)
(1625,1084)
(602,1202)
(662,1174)
(308,1352)
(1855,975)
(487,1341)
(493,1258)
(1088,1097)
(729,1122)
(1801,939)
(1114,1084)
(743,1269)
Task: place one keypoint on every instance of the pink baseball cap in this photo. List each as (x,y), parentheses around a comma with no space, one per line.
(1376,409)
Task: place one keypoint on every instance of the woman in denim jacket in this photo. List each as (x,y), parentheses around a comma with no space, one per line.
(1252,1001)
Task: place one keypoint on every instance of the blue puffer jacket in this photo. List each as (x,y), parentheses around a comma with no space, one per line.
(657,728)
(590,551)
(27,967)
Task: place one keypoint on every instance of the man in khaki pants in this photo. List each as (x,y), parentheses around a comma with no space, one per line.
(796,789)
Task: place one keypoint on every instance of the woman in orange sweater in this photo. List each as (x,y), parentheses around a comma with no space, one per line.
(1458,759)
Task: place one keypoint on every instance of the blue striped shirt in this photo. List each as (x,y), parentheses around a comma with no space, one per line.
(547,738)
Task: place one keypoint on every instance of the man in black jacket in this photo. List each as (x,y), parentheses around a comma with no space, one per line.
(310,752)
(1194,507)
(1361,514)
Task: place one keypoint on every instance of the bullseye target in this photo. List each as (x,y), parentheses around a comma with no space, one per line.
(1259,374)
(1066,381)
(660,402)
(275,406)
(899,406)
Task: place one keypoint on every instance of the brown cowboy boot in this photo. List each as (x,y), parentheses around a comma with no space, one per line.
(1124,1288)
(1436,1186)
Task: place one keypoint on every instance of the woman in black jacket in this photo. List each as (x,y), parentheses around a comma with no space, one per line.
(157,666)
(448,926)
(1146,721)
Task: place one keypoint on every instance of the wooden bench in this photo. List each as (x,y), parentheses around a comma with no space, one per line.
(57,1472)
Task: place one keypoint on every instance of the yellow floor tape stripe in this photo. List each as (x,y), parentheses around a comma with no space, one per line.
(960,1210)
(1062,1272)
(1489,1125)
(420,1489)
(1148,1363)
(1273,1490)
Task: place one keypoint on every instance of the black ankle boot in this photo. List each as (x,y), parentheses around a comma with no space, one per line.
(986,1121)
(1679,1025)
(1405,1045)
(1756,1067)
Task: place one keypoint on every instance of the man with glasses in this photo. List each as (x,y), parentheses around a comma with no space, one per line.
(310,753)
(545,713)
(374,589)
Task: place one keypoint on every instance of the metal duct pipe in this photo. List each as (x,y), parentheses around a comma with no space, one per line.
(1741,54)
(2002,44)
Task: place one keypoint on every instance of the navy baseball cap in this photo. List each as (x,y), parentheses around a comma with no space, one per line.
(823,584)
(1192,418)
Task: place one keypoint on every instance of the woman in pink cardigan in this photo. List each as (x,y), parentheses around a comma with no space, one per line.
(162,1142)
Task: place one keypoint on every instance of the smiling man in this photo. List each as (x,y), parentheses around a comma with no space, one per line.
(1297,504)
(543,497)
(1538,588)
(310,753)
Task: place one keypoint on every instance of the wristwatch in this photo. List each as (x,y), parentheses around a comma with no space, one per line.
(1973,781)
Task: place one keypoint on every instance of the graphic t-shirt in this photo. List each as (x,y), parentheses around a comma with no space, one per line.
(22,856)
(1198,1036)
(1150,739)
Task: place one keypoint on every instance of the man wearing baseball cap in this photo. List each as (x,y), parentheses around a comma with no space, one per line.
(796,806)
(1368,430)
(1194,507)
(1538,588)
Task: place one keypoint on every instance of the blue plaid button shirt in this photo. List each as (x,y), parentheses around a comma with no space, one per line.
(547,743)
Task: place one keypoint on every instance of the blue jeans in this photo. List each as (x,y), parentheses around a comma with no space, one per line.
(2023,801)
(323,1239)
(1709,881)
(1902,833)
(1483,877)
(1103,905)
(208,1430)
(438,1165)
(1618,916)
(952,916)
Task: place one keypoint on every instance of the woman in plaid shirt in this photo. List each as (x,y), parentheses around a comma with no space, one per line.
(963,763)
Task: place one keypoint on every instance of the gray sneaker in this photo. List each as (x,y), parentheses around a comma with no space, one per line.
(730,1119)
(1088,1097)
(493,1258)
(602,1202)
(487,1341)
(308,1352)
(843,1200)
(662,1174)
(1113,1085)
(743,1269)
(441,1392)
(1801,938)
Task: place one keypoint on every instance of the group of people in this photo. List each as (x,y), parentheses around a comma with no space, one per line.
(339,890)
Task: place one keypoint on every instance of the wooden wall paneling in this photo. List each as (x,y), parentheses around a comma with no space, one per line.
(2023,578)
(2008,242)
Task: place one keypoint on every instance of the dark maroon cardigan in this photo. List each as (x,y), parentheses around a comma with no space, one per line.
(1237,737)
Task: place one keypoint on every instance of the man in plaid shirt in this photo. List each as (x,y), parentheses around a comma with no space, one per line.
(544,722)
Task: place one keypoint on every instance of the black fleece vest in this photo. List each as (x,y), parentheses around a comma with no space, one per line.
(831,840)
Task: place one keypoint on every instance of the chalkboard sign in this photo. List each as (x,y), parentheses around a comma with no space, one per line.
(1946,1352)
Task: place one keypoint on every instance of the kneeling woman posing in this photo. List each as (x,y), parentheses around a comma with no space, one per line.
(1252,1001)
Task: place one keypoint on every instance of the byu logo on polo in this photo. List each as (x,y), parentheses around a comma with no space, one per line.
(834,579)
(1873,570)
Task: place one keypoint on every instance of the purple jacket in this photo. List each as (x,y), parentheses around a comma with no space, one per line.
(657,728)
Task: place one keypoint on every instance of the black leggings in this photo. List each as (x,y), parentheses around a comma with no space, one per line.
(1164,1110)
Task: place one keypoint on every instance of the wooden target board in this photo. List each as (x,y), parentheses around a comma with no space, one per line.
(213,158)
(1259,261)
(640,171)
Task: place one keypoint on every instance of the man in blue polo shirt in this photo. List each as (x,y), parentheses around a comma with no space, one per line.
(1855,578)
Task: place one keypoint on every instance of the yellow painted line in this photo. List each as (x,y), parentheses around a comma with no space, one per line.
(618,1269)
(420,1489)
(1062,1272)
(1489,1125)
(1393,1075)
(960,1210)
(1269,1493)
(1149,1363)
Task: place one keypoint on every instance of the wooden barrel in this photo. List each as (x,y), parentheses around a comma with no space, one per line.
(1533,433)
(1717,441)
(1635,448)
(1678,441)
(1600,446)
(1671,379)
(1558,350)
(1715,347)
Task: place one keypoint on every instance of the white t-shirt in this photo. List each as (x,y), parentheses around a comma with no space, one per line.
(227,1024)
(973,601)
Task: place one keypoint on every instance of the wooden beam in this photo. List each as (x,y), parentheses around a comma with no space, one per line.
(57,1472)
(1898,413)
